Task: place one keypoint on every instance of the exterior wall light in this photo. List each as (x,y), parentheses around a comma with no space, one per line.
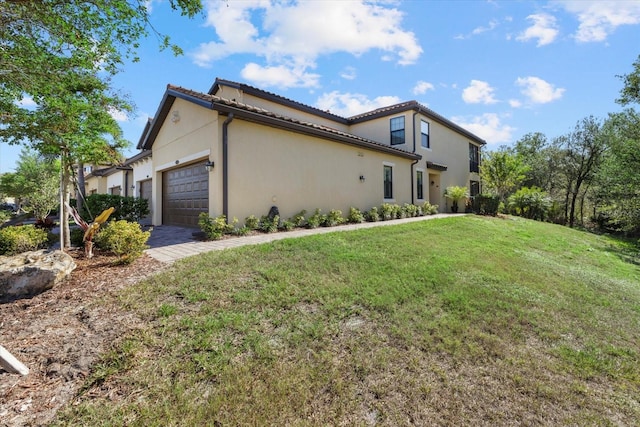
(209,165)
(361,178)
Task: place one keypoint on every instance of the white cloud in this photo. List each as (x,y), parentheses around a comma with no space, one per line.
(478,92)
(478,30)
(299,32)
(351,104)
(349,73)
(544,29)
(422,87)
(539,91)
(488,127)
(280,76)
(118,115)
(514,103)
(598,19)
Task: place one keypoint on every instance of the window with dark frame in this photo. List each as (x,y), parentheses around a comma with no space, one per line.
(474,158)
(388,182)
(420,184)
(397,130)
(424,134)
(474,188)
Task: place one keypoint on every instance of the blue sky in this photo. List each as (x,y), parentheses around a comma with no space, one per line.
(500,69)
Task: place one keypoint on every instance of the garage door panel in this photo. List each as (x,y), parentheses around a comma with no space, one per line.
(185,195)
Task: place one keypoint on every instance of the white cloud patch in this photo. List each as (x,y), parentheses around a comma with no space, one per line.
(478,30)
(351,104)
(514,103)
(422,87)
(478,92)
(118,115)
(544,29)
(349,73)
(280,76)
(488,127)
(598,19)
(539,91)
(295,34)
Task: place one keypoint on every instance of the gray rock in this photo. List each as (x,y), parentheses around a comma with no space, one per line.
(31,273)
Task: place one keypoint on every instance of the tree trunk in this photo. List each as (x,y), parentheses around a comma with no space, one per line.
(65,235)
(80,190)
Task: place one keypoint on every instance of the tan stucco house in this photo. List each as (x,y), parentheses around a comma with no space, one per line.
(238,150)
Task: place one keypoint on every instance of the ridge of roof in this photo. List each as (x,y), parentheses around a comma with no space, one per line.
(270,96)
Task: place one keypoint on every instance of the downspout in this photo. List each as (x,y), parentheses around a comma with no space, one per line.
(126,183)
(225,163)
(415,161)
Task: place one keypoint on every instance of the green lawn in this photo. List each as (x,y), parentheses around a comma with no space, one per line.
(457,321)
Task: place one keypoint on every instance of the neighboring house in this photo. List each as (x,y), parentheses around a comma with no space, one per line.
(131,178)
(264,150)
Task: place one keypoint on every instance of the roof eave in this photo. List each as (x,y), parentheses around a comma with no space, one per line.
(307,130)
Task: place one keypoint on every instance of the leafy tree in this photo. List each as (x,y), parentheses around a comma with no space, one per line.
(502,171)
(62,54)
(630,93)
(618,192)
(583,152)
(35,183)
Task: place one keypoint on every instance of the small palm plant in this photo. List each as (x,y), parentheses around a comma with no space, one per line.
(456,193)
(90,230)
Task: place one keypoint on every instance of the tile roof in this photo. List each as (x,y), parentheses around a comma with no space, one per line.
(215,102)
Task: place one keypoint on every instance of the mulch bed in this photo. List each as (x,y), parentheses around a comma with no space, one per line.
(60,333)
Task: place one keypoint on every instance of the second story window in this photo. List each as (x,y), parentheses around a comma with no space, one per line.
(397,130)
(474,158)
(424,134)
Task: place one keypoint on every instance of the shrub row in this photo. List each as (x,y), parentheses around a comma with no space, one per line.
(216,228)
(131,209)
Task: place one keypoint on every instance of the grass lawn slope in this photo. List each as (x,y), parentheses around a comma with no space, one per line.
(457,321)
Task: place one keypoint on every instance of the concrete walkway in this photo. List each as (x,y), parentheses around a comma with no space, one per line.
(169,243)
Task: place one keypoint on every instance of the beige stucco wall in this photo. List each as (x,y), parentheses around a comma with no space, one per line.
(181,142)
(446,147)
(270,167)
(142,170)
(97,183)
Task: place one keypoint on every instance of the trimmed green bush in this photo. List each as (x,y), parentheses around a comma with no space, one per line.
(269,225)
(485,204)
(316,220)
(287,225)
(372,214)
(24,238)
(429,209)
(251,222)
(123,238)
(298,219)
(355,216)
(76,236)
(333,218)
(214,228)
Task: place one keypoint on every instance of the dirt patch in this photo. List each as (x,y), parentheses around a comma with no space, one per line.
(60,333)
